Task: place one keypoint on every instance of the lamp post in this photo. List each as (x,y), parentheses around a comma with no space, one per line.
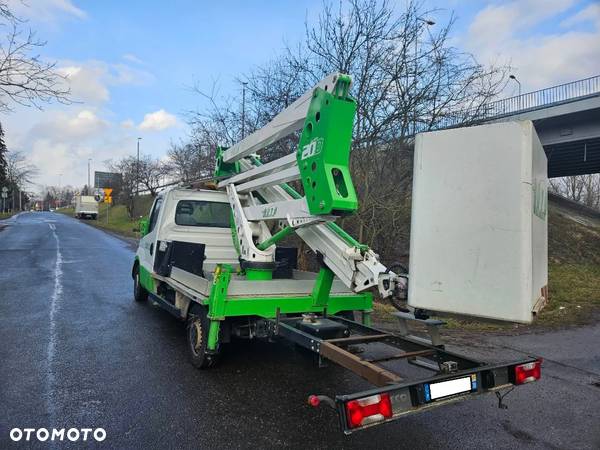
(88,185)
(512,77)
(427,22)
(244,83)
(59,190)
(137,169)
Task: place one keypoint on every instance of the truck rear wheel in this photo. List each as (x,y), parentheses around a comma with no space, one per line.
(139,293)
(197,337)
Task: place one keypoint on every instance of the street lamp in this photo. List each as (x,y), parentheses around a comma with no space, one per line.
(137,169)
(59,191)
(427,22)
(512,77)
(88,185)
(244,84)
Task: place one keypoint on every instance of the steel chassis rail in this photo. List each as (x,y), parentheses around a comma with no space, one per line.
(407,396)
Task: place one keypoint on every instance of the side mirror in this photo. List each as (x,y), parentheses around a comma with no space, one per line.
(143,227)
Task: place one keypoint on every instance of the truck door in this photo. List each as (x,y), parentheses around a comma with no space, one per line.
(147,245)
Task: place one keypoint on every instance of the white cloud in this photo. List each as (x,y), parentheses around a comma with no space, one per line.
(90,80)
(124,74)
(132,58)
(502,32)
(64,126)
(589,14)
(86,82)
(158,121)
(127,124)
(46,10)
(60,141)
(498,22)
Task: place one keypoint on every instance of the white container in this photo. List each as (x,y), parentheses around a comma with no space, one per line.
(479,239)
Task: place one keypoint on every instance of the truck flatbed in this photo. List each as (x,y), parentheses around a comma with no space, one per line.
(454,377)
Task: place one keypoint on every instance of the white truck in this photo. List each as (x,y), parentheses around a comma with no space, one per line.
(211,255)
(86,206)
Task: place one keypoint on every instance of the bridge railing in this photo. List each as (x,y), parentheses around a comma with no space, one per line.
(529,101)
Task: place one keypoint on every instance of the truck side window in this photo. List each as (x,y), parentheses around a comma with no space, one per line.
(154,216)
(200,213)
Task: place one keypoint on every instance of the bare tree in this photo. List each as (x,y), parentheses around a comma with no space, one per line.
(584,189)
(190,161)
(25,78)
(151,173)
(59,195)
(407,77)
(127,167)
(136,179)
(19,171)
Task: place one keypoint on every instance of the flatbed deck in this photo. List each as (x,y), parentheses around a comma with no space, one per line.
(455,377)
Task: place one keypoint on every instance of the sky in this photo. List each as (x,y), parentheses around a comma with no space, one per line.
(131,64)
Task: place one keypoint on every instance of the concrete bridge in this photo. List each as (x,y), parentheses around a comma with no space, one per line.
(566,117)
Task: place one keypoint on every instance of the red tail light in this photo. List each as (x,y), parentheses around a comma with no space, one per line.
(369,409)
(525,373)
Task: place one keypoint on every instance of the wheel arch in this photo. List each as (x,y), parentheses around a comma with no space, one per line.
(136,265)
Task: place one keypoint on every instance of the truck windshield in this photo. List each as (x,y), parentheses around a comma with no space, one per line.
(200,213)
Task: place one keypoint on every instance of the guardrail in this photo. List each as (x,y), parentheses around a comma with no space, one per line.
(529,101)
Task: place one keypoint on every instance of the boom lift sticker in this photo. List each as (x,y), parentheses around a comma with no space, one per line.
(312,149)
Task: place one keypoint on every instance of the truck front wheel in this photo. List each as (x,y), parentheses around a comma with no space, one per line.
(139,293)
(197,337)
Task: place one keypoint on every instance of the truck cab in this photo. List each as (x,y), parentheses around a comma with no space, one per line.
(192,216)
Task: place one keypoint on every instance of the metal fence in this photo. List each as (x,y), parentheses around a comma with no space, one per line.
(529,101)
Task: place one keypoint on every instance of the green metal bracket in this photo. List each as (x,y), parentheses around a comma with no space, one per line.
(331,225)
(223,169)
(259,274)
(322,289)
(324,151)
(366,317)
(275,238)
(216,303)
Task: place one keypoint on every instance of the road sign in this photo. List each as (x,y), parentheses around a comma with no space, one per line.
(99,194)
(107,179)
(108,195)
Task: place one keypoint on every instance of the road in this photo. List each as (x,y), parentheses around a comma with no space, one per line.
(78,352)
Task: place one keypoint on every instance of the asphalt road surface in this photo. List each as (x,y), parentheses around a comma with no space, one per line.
(76,351)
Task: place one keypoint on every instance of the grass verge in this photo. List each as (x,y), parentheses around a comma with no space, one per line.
(113,218)
(7,215)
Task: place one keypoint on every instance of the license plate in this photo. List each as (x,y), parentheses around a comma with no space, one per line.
(450,387)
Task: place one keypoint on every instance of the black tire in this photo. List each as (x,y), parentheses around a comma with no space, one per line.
(197,340)
(139,293)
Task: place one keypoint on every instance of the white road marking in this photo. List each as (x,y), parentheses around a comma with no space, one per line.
(54,308)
